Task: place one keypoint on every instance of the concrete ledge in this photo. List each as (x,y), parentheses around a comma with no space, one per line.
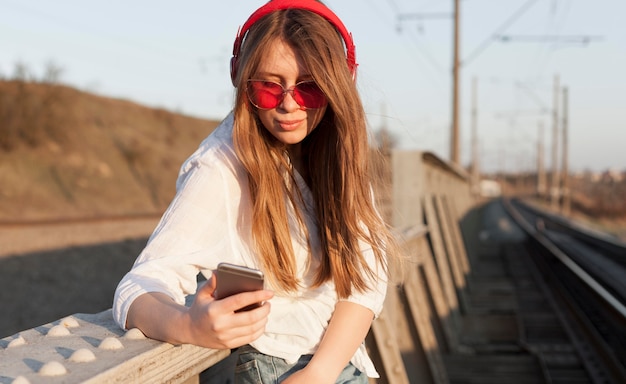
(91,348)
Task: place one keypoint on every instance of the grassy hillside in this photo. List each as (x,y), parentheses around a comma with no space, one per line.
(67,153)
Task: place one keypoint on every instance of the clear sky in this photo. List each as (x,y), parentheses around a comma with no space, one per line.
(176,55)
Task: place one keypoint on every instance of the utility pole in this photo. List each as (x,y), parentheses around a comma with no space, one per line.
(454,135)
(456,58)
(475,162)
(565,207)
(456,66)
(541,172)
(554,182)
(384,137)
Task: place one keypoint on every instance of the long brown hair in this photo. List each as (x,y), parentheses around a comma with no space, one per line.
(335,155)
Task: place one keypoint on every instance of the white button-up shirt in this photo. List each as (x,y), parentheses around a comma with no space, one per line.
(208,222)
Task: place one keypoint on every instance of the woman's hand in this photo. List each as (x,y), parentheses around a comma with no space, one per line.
(306,376)
(215,324)
(207,323)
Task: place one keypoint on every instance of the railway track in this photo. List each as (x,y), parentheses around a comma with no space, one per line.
(584,273)
(79,220)
(25,237)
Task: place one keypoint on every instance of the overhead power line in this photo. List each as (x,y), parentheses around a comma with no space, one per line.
(424,16)
(512,19)
(548,39)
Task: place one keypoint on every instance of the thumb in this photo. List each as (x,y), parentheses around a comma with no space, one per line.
(208,287)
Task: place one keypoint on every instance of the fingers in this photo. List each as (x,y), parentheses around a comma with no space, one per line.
(218,324)
(245,300)
(241,328)
(207,288)
(246,337)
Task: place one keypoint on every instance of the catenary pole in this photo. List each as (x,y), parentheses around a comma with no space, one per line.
(565,207)
(474,144)
(454,135)
(541,172)
(554,181)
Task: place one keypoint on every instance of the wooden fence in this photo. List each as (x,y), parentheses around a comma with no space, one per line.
(421,317)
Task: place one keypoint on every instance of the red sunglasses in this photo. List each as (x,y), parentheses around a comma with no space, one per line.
(265,94)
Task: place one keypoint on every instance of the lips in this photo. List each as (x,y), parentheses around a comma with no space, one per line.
(289,125)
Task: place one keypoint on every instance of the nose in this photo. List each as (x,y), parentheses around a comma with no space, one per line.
(288,103)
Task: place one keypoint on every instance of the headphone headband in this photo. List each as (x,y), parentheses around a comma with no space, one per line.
(309,5)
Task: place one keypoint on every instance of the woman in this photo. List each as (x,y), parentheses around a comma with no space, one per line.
(281,185)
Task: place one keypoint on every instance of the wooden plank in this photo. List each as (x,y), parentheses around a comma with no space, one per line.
(387,348)
(446,316)
(455,229)
(421,313)
(450,246)
(488,369)
(439,252)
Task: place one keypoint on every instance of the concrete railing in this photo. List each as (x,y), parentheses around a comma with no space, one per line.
(428,198)
(420,319)
(93,349)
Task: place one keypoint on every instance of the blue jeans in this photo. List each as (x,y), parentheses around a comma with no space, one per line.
(254,367)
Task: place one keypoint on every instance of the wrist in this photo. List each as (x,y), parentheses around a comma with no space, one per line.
(185,329)
(316,372)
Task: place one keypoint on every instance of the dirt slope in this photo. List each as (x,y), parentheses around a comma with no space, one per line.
(67,153)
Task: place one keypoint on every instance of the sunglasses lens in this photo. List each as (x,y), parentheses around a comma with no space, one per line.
(265,94)
(308,94)
(268,95)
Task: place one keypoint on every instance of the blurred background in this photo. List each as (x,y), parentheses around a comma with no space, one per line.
(176,56)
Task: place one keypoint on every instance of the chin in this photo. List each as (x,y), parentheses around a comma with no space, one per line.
(290,138)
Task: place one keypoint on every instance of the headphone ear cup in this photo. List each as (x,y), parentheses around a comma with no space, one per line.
(234,63)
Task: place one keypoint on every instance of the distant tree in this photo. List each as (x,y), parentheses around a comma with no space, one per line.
(21,72)
(385,141)
(52,73)
(30,113)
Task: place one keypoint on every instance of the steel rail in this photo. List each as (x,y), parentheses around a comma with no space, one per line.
(613,247)
(592,283)
(616,314)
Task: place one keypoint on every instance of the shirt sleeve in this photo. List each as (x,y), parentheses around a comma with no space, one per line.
(195,233)
(374,297)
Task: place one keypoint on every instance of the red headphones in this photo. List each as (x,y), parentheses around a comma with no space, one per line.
(309,5)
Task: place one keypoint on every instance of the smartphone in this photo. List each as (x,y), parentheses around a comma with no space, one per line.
(233,279)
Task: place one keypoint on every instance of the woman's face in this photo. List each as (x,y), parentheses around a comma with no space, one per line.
(288,122)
